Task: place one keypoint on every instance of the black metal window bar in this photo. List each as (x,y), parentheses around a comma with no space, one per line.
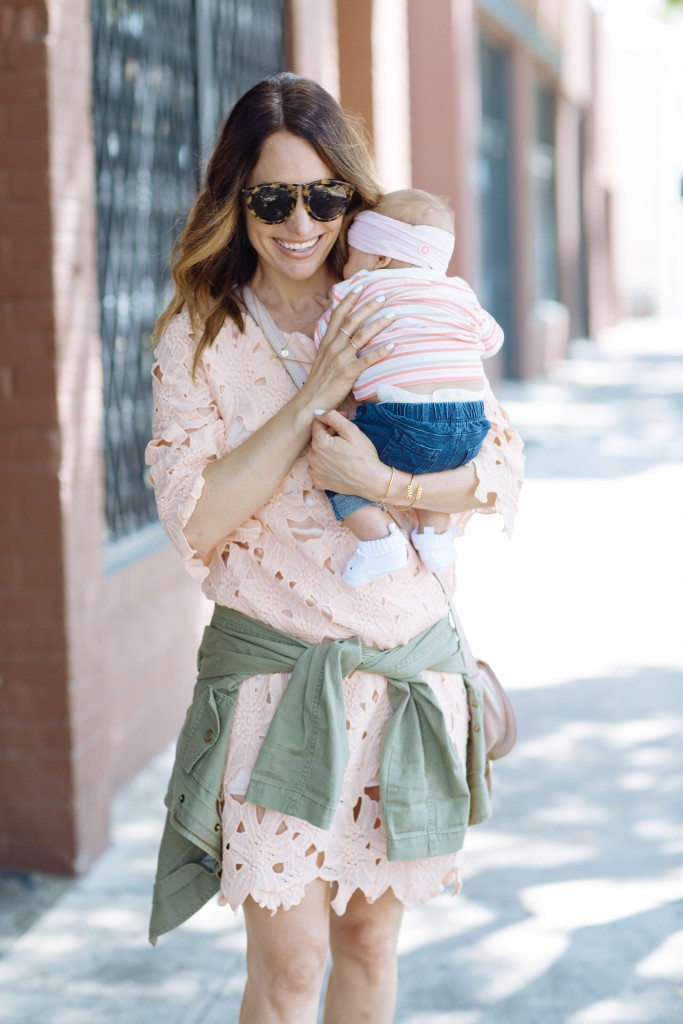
(164,74)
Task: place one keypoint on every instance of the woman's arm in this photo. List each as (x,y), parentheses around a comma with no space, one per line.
(452,490)
(343,459)
(239,483)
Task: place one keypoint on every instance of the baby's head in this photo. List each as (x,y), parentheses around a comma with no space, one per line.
(379,241)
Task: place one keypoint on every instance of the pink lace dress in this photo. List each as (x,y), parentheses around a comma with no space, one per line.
(283,567)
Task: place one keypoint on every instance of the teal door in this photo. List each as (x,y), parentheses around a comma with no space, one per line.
(495,292)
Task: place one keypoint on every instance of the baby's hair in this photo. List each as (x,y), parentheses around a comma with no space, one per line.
(414,206)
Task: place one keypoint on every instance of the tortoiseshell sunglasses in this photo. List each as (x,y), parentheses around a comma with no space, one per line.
(275,202)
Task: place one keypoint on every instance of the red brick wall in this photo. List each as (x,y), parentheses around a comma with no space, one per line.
(96,669)
(34,712)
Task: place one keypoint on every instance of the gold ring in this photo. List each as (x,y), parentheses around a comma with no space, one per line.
(354,347)
(349,336)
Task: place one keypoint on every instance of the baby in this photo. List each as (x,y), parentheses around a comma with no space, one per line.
(422,405)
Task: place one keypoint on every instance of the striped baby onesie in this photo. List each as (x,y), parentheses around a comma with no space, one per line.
(439,330)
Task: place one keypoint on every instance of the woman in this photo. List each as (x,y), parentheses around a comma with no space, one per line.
(239,463)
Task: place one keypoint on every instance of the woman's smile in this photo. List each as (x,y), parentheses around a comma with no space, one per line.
(298,248)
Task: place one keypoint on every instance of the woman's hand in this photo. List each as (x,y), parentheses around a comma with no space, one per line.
(342,459)
(340,360)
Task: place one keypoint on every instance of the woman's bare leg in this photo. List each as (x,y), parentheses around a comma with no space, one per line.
(363,942)
(286,958)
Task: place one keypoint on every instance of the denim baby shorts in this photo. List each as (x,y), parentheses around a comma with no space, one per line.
(417,437)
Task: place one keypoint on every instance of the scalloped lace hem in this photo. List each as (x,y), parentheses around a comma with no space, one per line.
(274,901)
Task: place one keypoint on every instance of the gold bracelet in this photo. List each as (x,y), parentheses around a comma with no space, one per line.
(384,496)
(409,488)
(409,495)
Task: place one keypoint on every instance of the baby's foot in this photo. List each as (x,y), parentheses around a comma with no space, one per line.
(436,550)
(375,558)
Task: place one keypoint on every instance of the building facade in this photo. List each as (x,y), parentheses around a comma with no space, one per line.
(106,111)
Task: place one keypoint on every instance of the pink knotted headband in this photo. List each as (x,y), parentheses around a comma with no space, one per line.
(417,244)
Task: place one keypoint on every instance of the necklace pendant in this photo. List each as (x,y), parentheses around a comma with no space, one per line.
(284,352)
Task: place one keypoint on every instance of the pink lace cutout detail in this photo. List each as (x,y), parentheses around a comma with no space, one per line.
(499,466)
(272,857)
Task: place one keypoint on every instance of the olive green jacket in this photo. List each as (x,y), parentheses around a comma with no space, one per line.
(427,796)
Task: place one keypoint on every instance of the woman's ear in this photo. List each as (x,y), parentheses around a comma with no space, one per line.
(383,262)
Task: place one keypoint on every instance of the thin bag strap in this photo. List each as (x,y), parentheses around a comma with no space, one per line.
(273,334)
(470,660)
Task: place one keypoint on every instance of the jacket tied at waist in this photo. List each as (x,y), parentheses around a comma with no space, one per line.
(427,796)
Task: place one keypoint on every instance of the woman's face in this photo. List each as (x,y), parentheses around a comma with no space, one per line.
(299,247)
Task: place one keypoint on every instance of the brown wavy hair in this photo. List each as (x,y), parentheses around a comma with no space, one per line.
(213,256)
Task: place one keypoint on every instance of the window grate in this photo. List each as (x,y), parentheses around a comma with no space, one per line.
(238,42)
(155,108)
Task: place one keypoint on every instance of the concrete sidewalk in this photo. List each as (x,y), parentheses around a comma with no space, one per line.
(572,907)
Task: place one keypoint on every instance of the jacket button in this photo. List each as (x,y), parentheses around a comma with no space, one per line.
(477,728)
(475,703)
(181,798)
(208,735)
(217,828)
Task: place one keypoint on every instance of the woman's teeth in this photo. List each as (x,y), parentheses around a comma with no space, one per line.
(297,246)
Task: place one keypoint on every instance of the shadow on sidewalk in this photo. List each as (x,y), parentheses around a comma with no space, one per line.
(572,907)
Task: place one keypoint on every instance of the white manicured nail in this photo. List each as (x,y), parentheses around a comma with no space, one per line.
(319,412)
(389,316)
(358,288)
(380,298)
(389,346)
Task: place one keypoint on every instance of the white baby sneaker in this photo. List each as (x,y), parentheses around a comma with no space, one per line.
(436,550)
(375,558)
